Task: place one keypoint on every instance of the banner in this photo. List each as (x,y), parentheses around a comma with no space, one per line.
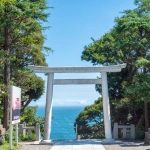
(15,104)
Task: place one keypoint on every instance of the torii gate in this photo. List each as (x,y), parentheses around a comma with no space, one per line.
(51,81)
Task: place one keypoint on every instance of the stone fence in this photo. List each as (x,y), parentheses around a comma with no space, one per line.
(23,128)
(127,131)
(147,137)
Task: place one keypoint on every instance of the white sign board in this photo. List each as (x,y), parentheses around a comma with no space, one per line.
(15,104)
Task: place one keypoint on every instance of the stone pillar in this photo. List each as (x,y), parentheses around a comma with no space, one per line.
(115,131)
(29,132)
(48,115)
(16,138)
(106,108)
(24,130)
(124,132)
(132,131)
(21,129)
(37,131)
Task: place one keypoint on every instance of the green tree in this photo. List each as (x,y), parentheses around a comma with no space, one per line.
(139,90)
(128,42)
(90,121)
(21,38)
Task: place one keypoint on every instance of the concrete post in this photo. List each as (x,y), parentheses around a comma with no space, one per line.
(115,131)
(124,133)
(132,131)
(106,108)
(16,134)
(76,131)
(24,130)
(10,136)
(48,115)
(29,132)
(21,129)
(37,130)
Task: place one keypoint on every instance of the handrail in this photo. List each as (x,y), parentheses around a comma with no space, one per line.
(1,136)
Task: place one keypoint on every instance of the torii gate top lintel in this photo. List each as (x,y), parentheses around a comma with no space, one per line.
(73,69)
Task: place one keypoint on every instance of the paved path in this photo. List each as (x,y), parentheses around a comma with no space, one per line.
(86,145)
(34,146)
(127,145)
(78,145)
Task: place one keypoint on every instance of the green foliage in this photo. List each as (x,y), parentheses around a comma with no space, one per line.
(22,44)
(29,116)
(3,2)
(127,42)
(90,121)
(139,89)
(5,146)
(27,137)
(139,131)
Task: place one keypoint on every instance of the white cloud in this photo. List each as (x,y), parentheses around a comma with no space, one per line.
(71,102)
(63,102)
(38,102)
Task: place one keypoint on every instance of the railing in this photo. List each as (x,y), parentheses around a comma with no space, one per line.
(147,137)
(2,131)
(128,131)
(3,135)
(23,128)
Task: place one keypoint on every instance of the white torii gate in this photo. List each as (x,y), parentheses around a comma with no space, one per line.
(51,81)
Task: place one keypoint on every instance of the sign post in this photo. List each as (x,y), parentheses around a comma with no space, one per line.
(15,105)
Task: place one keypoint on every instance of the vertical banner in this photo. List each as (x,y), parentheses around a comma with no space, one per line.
(15,104)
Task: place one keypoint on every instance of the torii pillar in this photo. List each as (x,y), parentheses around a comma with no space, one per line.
(48,110)
(51,81)
(106,109)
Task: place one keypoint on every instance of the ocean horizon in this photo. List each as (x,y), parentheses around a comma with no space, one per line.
(63,118)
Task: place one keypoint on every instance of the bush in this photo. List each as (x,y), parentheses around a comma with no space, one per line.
(27,137)
(139,132)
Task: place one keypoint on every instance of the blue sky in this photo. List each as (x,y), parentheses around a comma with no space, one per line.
(73,23)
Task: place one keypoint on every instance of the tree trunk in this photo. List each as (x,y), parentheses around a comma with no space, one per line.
(141,120)
(146,116)
(28,102)
(6,79)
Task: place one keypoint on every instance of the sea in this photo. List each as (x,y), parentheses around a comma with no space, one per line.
(63,118)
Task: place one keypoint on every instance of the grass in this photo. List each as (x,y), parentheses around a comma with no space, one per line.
(5,146)
(27,137)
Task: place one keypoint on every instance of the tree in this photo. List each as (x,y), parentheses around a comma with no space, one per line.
(128,42)
(90,121)
(20,25)
(139,89)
